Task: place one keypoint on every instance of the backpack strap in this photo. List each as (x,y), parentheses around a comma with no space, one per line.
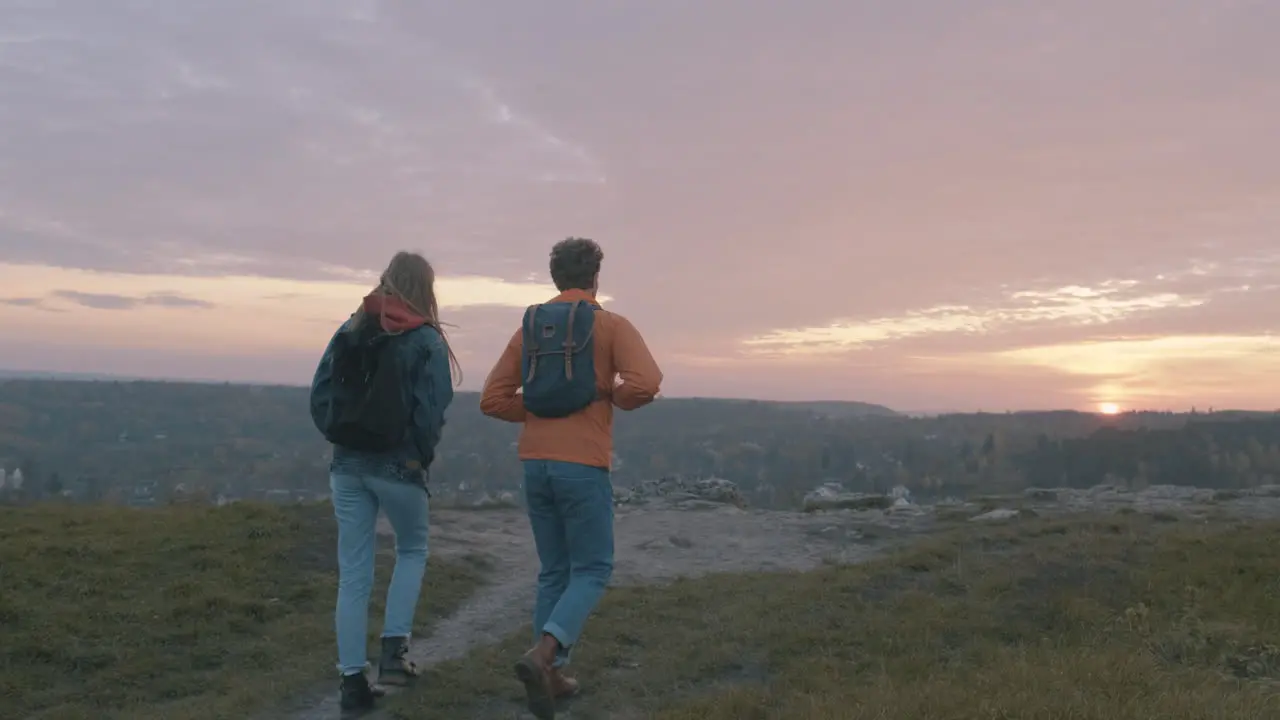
(568,341)
(531,338)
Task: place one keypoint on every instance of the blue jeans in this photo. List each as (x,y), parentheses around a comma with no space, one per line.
(356,500)
(571,513)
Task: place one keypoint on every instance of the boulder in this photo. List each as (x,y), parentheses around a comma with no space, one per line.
(902,506)
(996,515)
(1041,494)
(677,489)
(825,498)
(504,499)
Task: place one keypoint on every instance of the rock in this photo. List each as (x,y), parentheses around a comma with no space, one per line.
(672,541)
(902,506)
(1176,493)
(503,499)
(705,505)
(996,515)
(719,490)
(676,489)
(824,499)
(1041,494)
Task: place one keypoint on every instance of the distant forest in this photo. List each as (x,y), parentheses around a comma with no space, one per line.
(108,441)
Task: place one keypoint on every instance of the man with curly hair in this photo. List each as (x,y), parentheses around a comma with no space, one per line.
(562,374)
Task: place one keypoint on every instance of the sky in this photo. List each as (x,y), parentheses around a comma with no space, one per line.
(927,204)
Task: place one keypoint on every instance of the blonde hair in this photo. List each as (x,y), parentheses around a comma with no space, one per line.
(412,280)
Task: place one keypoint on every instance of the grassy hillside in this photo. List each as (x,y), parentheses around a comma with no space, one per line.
(181,613)
(1122,618)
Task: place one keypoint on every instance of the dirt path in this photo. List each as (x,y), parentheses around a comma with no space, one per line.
(659,543)
(487,617)
(654,545)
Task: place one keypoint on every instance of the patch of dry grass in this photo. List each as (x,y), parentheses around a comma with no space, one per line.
(1114,618)
(182,612)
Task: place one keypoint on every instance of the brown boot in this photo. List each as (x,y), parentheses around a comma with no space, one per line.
(534,670)
(563,686)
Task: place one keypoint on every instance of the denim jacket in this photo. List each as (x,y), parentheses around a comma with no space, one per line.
(428,393)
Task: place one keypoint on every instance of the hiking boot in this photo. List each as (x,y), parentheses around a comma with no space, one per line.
(533,673)
(394,665)
(562,686)
(357,694)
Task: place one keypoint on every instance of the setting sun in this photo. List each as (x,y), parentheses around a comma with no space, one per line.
(1108,408)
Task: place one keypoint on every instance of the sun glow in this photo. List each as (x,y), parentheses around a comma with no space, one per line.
(1109,408)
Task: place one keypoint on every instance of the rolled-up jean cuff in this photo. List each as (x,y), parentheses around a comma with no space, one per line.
(562,653)
(558,633)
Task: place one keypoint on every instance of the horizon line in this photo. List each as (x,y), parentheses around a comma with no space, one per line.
(24,374)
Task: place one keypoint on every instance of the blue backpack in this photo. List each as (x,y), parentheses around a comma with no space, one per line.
(559,365)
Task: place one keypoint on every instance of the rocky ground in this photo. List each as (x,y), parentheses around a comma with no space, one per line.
(672,528)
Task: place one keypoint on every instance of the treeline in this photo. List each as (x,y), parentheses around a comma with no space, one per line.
(145,442)
(1204,453)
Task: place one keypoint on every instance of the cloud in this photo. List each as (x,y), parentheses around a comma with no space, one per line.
(1131,356)
(97,301)
(306,145)
(112,301)
(234,310)
(1077,305)
(952,198)
(345,286)
(29,302)
(174,301)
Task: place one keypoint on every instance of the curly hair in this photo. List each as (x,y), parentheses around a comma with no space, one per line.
(575,263)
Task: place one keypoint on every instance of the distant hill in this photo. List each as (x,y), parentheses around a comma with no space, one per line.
(834,409)
(827,408)
(49,375)
(141,442)
(101,438)
(840,408)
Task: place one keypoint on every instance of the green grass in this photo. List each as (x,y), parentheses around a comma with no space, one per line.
(181,612)
(1115,618)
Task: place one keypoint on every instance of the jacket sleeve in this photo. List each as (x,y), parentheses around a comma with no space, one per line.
(639,372)
(321,382)
(499,398)
(432,394)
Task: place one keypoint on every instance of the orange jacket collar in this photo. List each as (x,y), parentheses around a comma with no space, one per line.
(571,295)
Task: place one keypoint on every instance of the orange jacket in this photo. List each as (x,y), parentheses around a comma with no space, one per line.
(585,437)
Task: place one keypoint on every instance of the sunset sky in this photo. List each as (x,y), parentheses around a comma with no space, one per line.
(930,204)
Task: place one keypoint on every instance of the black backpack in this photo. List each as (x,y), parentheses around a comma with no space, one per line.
(366,407)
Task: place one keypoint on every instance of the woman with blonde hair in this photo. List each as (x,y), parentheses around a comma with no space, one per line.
(379,396)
